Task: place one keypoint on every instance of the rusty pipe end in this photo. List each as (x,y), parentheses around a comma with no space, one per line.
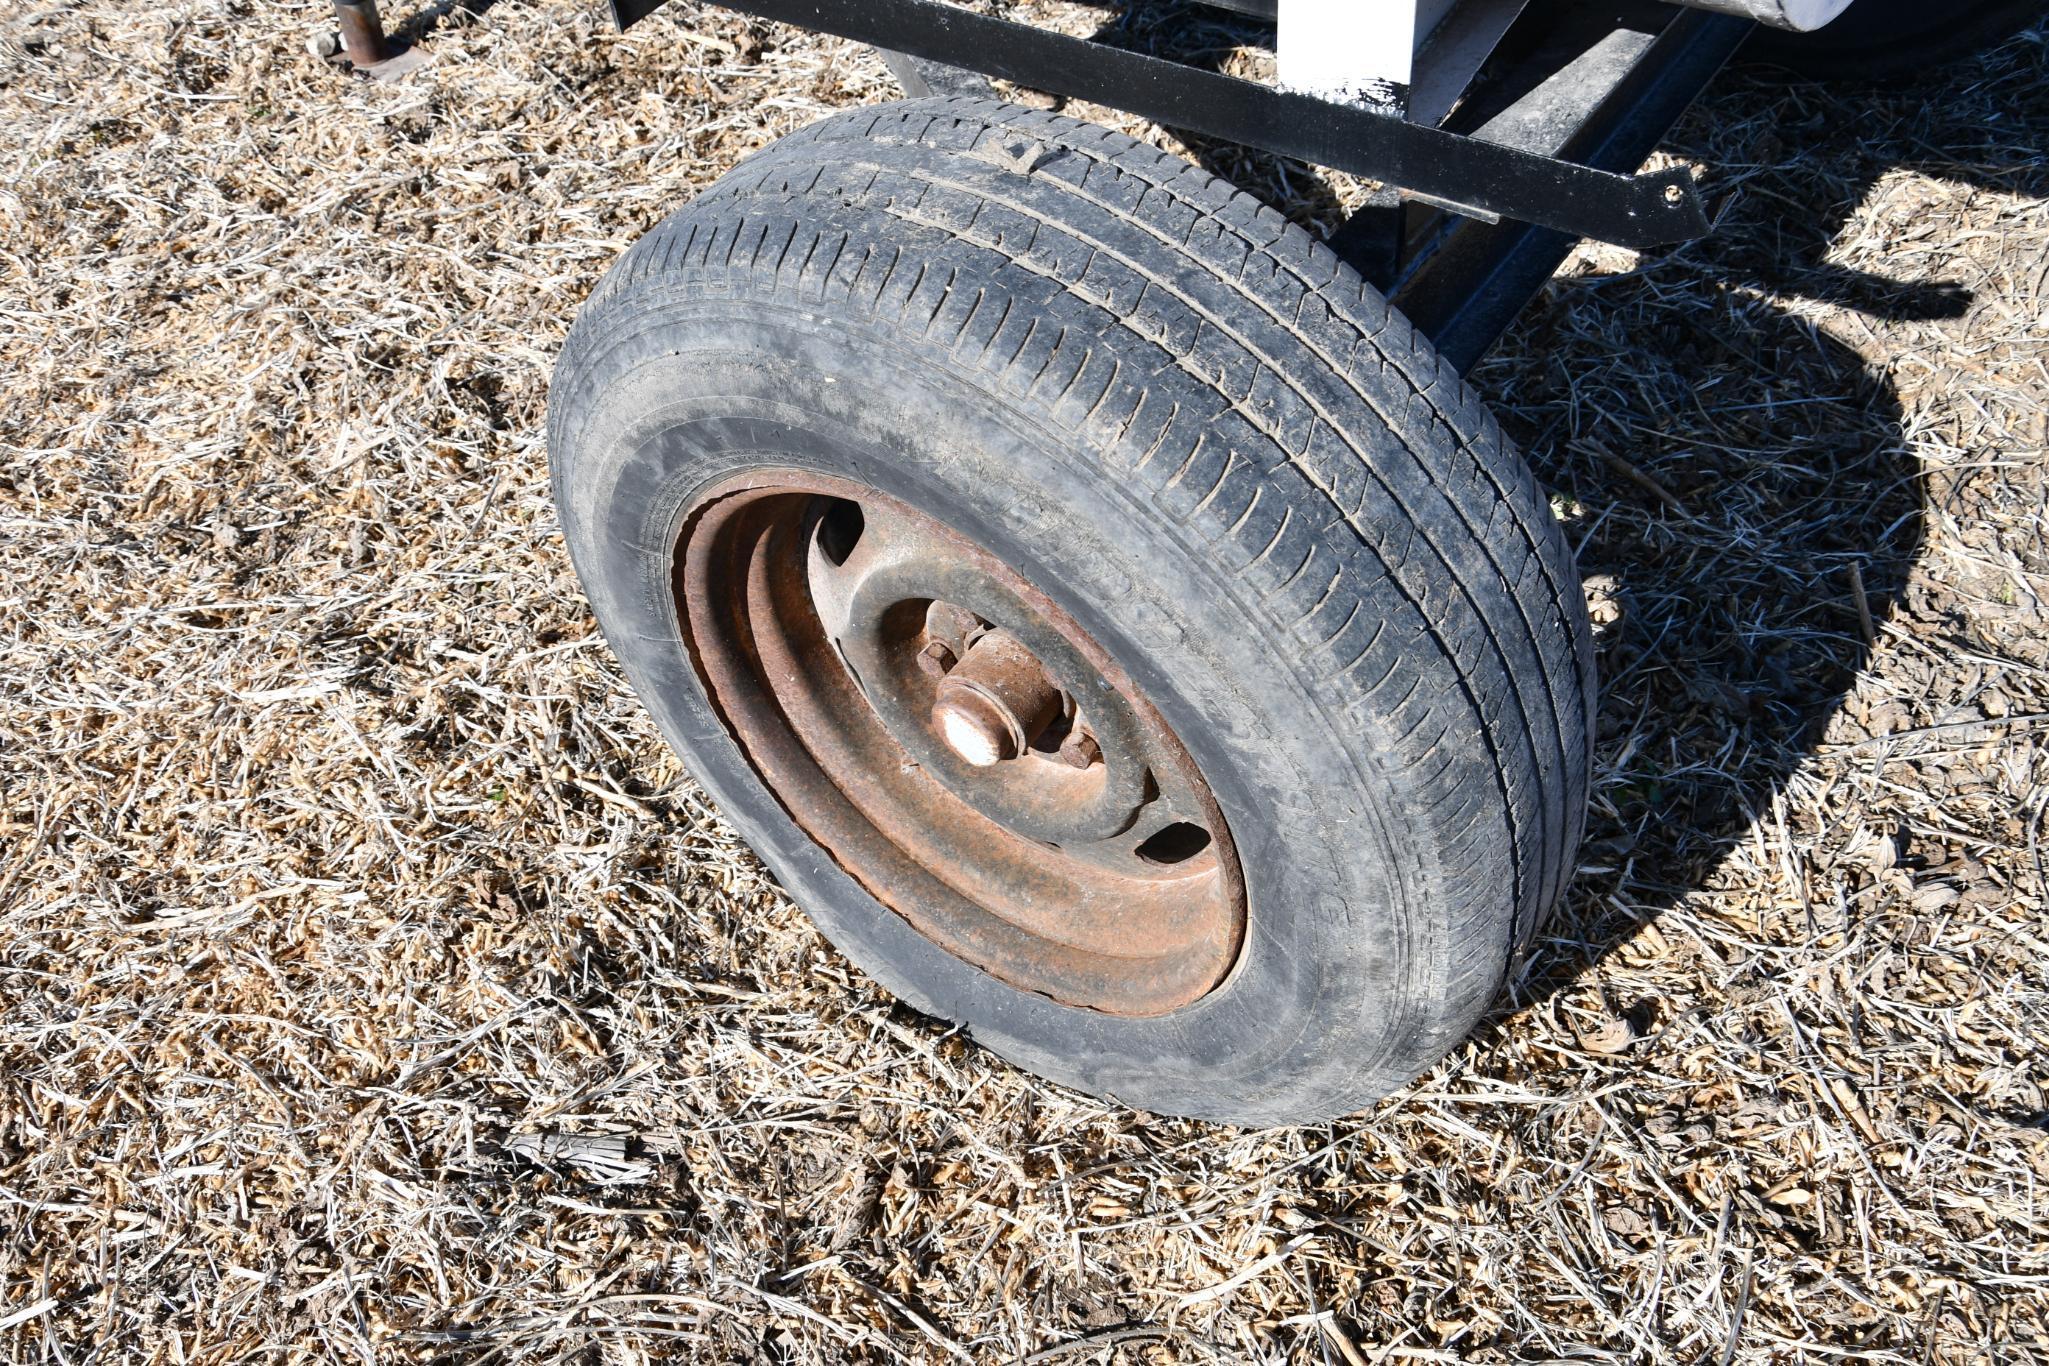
(976,728)
(362,31)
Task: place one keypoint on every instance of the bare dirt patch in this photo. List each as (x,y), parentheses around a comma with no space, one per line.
(375,986)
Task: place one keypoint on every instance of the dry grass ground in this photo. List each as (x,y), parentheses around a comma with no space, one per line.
(340,879)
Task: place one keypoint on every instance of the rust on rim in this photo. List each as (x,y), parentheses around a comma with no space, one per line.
(958,744)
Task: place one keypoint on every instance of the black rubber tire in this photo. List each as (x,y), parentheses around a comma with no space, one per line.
(1881,40)
(1218,449)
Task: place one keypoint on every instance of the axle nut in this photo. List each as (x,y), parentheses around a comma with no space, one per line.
(995,701)
(976,729)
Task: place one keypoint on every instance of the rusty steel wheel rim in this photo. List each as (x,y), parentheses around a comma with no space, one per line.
(958,744)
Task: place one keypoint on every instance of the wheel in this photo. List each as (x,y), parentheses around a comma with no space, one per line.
(1102,613)
(1884,39)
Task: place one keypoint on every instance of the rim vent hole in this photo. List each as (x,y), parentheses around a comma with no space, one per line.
(839,529)
(1172,844)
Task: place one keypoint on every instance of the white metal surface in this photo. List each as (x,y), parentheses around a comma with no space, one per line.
(1354,51)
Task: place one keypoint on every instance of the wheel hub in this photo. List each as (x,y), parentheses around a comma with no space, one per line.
(958,744)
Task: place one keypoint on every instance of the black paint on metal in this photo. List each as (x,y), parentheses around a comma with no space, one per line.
(1453,53)
(1465,288)
(919,78)
(1643,211)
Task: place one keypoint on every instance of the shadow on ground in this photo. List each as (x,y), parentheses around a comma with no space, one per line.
(1740,475)
(1738,471)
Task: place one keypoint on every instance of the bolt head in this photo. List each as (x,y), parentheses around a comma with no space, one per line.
(951,624)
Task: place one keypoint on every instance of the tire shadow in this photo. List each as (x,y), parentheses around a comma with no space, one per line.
(1735,478)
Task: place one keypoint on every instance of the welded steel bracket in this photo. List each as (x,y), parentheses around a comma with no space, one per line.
(1483,179)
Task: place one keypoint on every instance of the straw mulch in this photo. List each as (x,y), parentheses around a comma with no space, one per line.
(374,984)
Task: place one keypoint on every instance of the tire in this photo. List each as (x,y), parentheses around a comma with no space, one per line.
(1877,40)
(1220,455)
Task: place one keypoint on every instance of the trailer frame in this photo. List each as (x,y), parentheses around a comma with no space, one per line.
(1519,130)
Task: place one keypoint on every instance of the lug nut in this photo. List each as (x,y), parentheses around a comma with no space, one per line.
(936,660)
(951,624)
(1079,749)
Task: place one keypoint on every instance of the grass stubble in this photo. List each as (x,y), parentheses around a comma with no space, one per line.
(375,985)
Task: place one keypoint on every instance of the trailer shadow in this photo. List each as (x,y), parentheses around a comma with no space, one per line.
(1740,473)
(1790,146)
(438,15)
